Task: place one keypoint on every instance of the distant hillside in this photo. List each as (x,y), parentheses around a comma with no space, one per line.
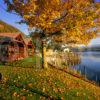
(4,27)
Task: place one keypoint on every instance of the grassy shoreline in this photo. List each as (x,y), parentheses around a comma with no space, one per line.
(52,82)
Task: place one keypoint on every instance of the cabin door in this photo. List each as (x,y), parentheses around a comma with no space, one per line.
(4,56)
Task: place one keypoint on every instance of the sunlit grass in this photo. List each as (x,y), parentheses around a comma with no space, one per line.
(51,83)
(30,62)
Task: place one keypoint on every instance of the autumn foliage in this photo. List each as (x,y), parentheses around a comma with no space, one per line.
(75,16)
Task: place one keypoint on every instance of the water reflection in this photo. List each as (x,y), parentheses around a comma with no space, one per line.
(90,65)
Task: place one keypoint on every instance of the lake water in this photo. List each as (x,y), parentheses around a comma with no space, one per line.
(90,65)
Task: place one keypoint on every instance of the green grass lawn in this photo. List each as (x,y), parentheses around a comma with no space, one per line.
(30,62)
(34,84)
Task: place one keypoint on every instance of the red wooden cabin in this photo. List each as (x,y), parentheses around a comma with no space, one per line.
(14,46)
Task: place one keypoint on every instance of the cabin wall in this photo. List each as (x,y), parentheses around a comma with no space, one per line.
(30,50)
(25,51)
(17,51)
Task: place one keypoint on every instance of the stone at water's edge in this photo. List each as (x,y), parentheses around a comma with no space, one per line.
(0,76)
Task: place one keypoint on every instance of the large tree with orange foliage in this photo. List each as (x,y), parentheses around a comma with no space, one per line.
(51,16)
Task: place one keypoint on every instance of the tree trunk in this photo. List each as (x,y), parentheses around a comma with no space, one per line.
(44,62)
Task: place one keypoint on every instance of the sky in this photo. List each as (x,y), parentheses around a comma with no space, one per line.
(12,19)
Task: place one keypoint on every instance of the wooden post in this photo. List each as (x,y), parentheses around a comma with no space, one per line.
(25,51)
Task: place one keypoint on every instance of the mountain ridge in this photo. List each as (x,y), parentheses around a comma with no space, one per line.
(6,28)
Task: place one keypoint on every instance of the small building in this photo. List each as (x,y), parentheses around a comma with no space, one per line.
(14,46)
(29,45)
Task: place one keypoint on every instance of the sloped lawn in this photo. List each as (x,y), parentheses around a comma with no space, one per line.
(31,84)
(30,62)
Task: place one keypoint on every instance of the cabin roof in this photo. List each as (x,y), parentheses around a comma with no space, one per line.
(27,41)
(11,35)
